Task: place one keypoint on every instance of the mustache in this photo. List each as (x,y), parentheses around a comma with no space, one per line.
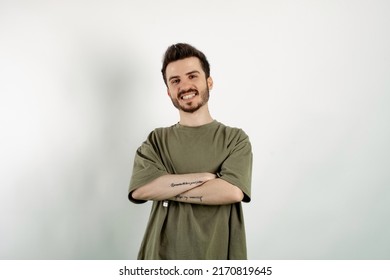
(182,92)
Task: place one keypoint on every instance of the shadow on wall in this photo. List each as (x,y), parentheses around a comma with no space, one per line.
(66,191)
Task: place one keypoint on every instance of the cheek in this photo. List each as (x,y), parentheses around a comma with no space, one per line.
(172,92)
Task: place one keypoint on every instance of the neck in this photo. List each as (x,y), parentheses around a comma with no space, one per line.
(198,118)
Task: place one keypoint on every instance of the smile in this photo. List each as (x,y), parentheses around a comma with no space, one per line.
(188,96)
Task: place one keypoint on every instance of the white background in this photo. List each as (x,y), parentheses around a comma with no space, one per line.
(80,89)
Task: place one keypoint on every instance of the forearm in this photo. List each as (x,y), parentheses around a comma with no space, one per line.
(212,192)
(168,186)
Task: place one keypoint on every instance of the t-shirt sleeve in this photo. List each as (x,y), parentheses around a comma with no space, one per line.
(237,168)
(147,166)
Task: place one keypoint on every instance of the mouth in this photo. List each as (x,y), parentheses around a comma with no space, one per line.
(189,96)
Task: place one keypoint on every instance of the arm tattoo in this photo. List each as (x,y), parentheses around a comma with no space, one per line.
(197,197)
(183,197)
(186,183)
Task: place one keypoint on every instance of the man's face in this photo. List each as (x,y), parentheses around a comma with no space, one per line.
(188,87)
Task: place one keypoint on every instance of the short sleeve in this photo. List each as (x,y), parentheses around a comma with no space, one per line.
(237,168)
(147,166)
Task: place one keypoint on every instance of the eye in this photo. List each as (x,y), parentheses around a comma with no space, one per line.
(192,76)
(175,81)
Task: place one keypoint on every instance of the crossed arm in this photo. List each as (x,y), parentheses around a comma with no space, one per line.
(198,188)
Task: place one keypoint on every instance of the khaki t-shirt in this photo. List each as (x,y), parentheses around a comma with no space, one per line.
(178,230)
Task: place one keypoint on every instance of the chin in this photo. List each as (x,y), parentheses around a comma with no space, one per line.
(191,109)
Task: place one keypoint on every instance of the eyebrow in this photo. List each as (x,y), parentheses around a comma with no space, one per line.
(187,74)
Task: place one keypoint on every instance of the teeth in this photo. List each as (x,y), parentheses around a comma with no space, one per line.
(188,96)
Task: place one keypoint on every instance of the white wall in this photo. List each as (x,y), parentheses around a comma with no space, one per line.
(81,88)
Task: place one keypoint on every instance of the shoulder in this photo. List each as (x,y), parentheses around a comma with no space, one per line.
(233,132)
(162,130)
(160,133)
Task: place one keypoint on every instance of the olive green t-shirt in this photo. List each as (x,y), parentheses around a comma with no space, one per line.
(178,230)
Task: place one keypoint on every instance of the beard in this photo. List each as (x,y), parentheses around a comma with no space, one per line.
(190,106)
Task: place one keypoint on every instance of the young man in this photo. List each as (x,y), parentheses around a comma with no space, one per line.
(197,172)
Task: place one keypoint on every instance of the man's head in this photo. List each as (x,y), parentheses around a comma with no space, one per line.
(181,51)
(186,74)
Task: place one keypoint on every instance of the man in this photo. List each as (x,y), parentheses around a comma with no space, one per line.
(196,172)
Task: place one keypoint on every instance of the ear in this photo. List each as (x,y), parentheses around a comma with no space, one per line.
(168,92)
(210,83)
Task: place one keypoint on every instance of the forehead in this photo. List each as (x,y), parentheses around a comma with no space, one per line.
(183,66)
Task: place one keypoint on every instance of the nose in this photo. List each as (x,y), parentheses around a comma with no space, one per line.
(185,86)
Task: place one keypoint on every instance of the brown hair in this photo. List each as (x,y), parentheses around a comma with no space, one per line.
(181,51)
